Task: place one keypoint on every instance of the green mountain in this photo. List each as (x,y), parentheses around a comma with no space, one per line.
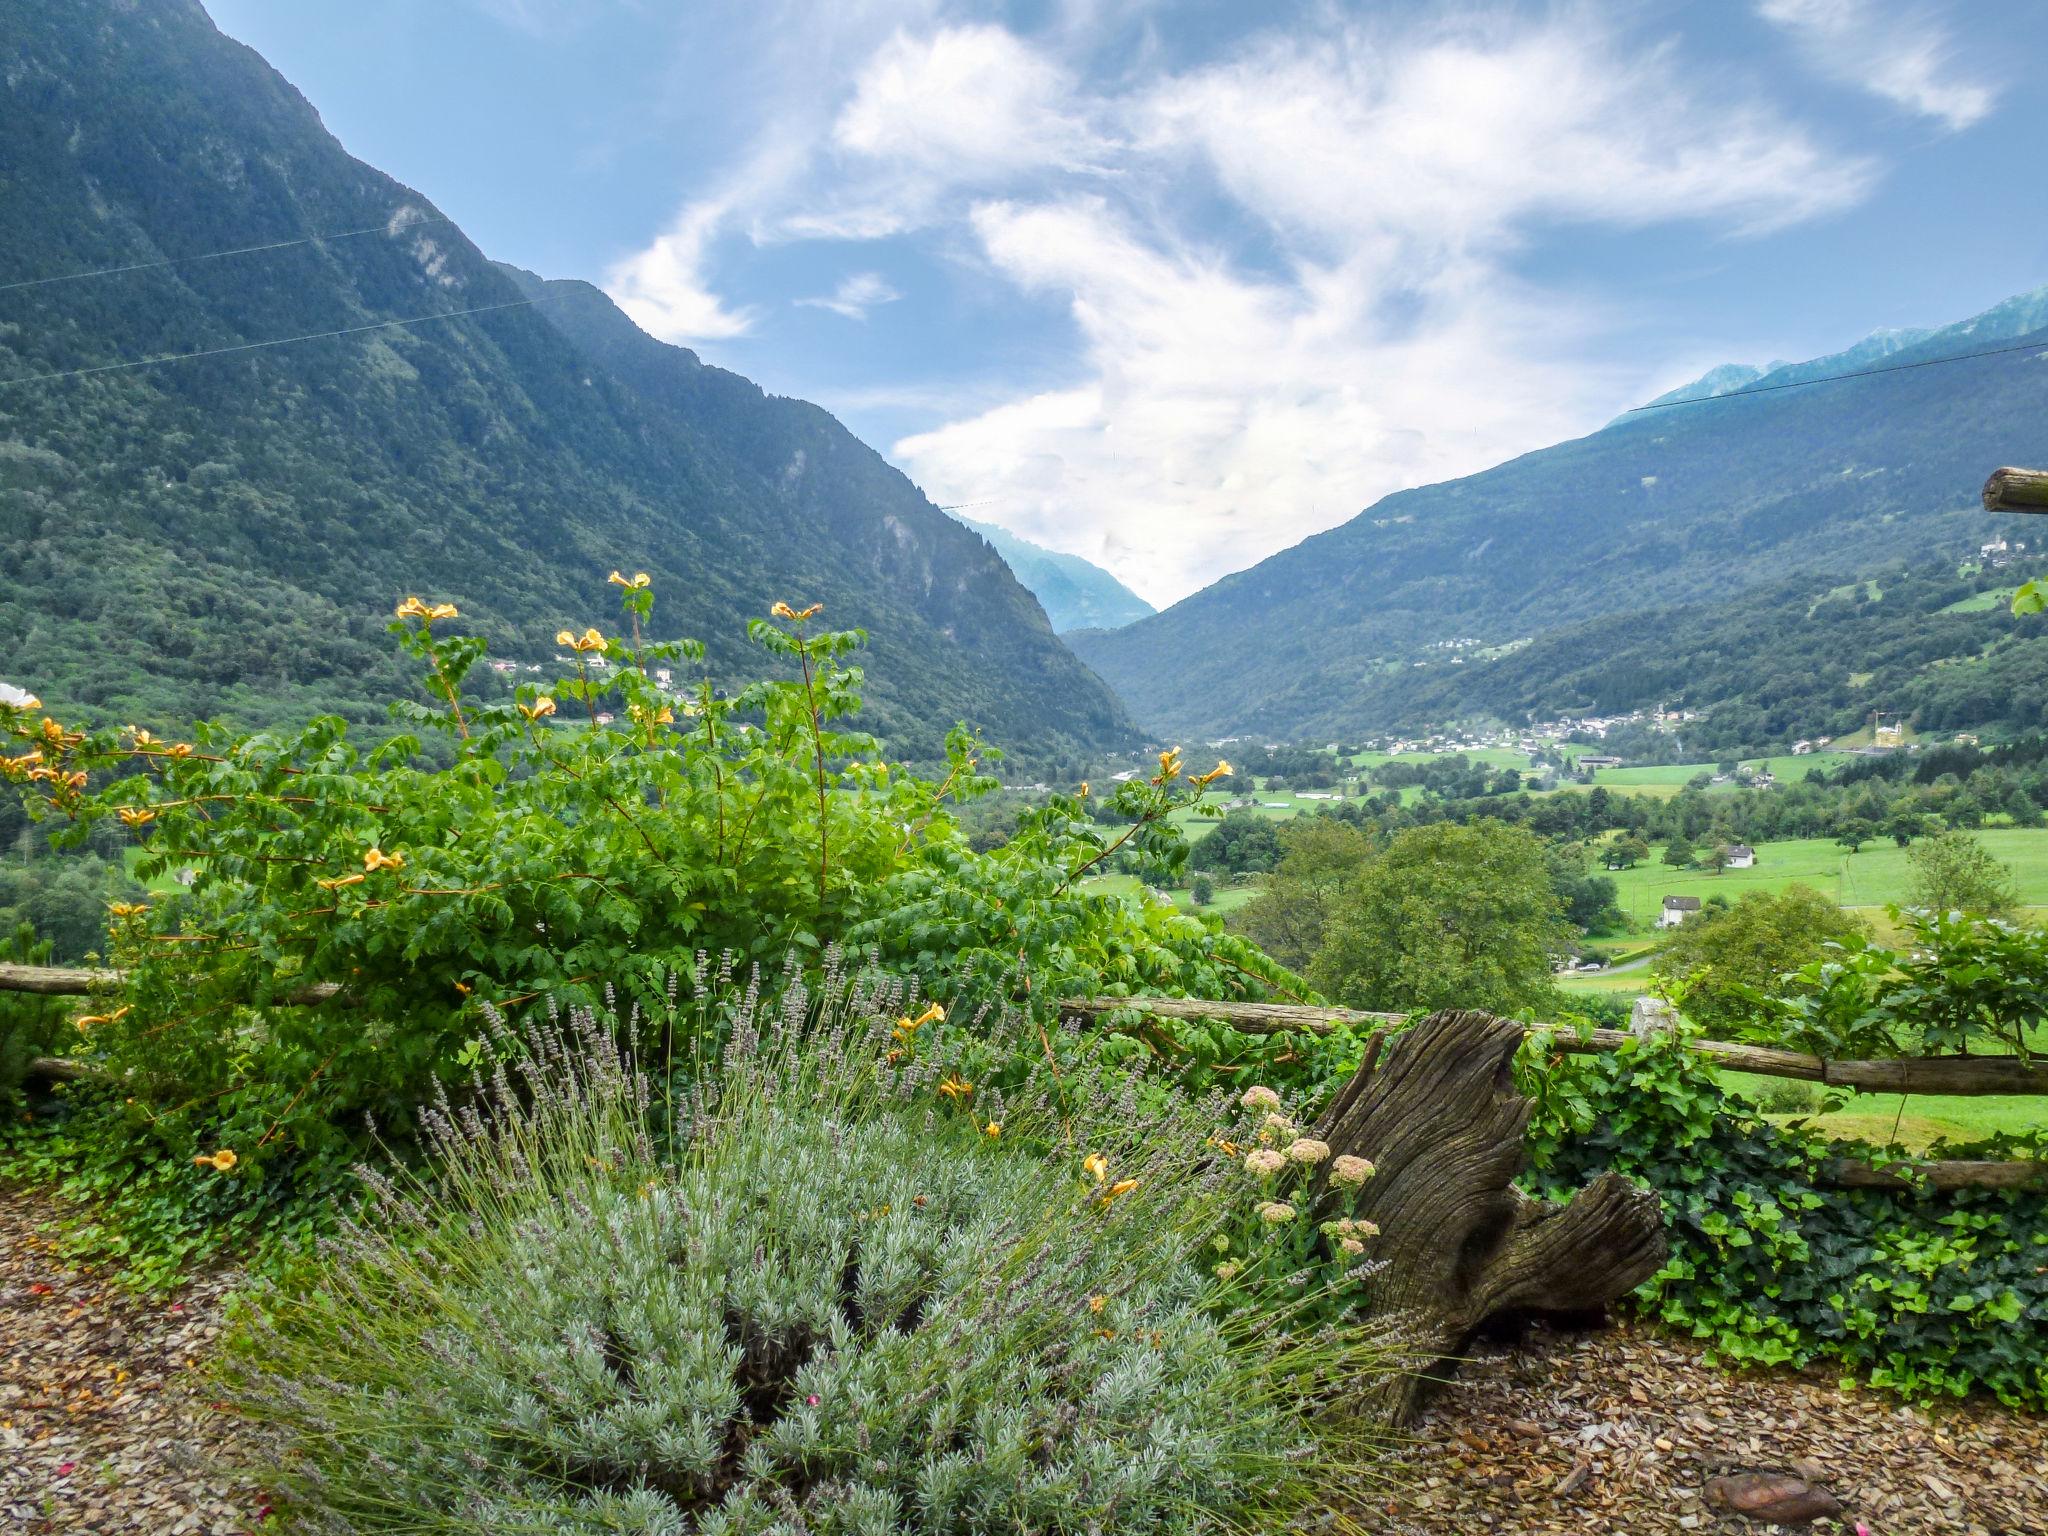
(1074,593)
(1683,507)
(228,534)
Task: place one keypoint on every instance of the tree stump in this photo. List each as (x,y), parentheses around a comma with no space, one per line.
(1443,1124)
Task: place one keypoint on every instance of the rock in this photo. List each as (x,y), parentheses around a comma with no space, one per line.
(1777,1497)
(1651,1016)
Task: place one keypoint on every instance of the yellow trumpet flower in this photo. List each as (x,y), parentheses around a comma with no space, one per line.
(993,1129)
(220,1161)
(136,815)
(127,908)
(1096,1166)
(539,709)
(376,859)
(1169,764)
(178,749)
(339,881)
(1222,770)
(411,608)
(638,581)
(1120,1187)
(92,1019)
(142,738)
(1097,1303)
(953,1088)
(782,611)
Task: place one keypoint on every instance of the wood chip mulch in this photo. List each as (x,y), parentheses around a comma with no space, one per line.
(104,1423)
(1616,1433)
(105,1427)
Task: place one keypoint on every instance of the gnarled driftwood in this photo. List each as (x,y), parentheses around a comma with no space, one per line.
(1442,1122)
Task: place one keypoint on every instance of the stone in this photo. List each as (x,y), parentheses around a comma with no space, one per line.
(1778,1497)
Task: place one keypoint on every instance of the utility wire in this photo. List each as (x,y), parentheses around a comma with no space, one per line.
(240,250)
(1835,378)
(281,341)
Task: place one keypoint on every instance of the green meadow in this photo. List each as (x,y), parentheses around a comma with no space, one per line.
(1880,874)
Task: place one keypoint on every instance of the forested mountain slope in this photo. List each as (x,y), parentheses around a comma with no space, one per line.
(229,533)
(1693,504)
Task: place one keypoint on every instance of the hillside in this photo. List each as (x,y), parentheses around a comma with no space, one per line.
(228,534)
(1800,658)
(1074,593)
(1671,508)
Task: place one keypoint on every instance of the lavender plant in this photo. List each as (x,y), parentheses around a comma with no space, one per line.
(837,1287)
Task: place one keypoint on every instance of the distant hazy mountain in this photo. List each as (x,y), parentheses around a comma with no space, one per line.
(230,533)
(1688,504)
(1075,593)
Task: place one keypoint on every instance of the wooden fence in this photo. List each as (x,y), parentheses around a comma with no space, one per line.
(1953,1075)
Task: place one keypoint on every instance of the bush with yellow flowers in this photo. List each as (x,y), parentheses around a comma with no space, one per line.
(350,912)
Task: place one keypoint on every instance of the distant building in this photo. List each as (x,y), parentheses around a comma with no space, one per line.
(1676,910)
(1593,760)
(502,667)
(1740,856)
(1801,748)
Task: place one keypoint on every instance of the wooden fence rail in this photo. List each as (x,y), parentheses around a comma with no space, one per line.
(1979,1076)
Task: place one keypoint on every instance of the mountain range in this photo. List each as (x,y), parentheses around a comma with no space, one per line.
(1075,593)
(228,533)
(1730,486)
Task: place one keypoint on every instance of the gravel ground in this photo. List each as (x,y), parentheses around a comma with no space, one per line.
(105,1427)
(103,1424)
(1616,1434)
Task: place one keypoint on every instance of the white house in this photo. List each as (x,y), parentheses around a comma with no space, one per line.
(1676,910)
(1740,856)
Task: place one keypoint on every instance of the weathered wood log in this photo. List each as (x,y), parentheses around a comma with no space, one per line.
(57,980)
(1961,1075)
(1847,1173)
(79,981)
(1442,1123)
(2016,490)
(1252,1018)
(62,1069)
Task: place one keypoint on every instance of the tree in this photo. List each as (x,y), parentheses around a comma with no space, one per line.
(1629,851)
(1289,916)
(1242,843)
(1678,853)
(1733,951)
(1447,916)
(1203,891)
(1589,900)
(1953,872)
(1854,833)
(1717,859)
(1904,824)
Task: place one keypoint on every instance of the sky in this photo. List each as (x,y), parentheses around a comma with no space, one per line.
(1172,286)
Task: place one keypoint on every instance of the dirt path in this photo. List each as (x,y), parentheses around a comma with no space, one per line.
(103,1423)
(1617,1433)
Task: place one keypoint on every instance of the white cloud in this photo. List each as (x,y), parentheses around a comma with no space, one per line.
(856,295)
(1219,413)
(1290,270)
(1902,53)
(664,289)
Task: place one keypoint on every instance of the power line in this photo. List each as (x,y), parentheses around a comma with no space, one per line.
(240,250)
(963,506)
(1836,378)
(281,341)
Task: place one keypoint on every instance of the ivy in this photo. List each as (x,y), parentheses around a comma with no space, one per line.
(1928,1295)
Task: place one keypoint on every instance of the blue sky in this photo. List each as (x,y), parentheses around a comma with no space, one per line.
(1174,285)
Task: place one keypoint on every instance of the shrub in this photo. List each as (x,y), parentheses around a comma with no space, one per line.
(598,829)
(1931,1296)
(29,1026)
(832,1297)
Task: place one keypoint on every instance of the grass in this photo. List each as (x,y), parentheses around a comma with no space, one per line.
(1915,1121)
(1868,880)
(1981,602)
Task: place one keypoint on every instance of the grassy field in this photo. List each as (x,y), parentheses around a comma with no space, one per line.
(1981,602)
(1869,879)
